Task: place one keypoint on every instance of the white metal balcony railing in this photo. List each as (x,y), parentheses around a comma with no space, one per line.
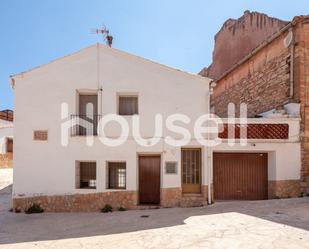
(83,125)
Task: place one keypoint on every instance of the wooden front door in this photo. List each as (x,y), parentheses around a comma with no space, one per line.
(240,176)
(149,179)
(191,160)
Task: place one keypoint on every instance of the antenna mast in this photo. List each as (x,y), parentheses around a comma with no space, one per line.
(105,33)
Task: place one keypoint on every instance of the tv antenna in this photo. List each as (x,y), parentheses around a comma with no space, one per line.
(105,33)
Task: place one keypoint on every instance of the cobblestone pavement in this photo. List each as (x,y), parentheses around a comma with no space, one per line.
(247,224)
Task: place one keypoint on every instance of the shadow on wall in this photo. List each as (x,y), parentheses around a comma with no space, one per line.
(54,226)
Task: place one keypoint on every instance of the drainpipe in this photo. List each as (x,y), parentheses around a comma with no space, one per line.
(99,90)
(212,84)
(209,174)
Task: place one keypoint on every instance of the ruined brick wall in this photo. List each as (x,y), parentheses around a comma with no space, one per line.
(262,82)
(237,38)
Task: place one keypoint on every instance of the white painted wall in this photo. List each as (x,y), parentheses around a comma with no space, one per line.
(45,167)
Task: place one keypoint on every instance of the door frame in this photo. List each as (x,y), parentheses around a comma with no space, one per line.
(87,92)
(145,154)
(201,167)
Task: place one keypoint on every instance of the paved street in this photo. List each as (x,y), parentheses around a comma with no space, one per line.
(257,224)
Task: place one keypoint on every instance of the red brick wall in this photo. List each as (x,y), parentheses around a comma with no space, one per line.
(262,82)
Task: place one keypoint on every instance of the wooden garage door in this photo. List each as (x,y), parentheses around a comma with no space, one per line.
(240,176)
(149,179)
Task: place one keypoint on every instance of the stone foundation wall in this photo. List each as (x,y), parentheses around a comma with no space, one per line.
(79,202)
(170,197)
(6,160)
(284,189)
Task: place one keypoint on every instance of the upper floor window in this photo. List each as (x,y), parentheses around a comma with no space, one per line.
(87,117)
(128,105)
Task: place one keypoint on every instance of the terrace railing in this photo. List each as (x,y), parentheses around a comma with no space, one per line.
(257,131)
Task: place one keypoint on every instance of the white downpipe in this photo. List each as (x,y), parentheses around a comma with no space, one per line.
(208,148)
(209,173)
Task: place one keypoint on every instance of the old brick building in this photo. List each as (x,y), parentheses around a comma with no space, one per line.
(263,62)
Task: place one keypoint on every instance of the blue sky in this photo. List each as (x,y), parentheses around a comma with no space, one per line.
(178,33)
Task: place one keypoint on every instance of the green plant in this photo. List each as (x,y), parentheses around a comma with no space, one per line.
(107,208)
(17,210)
(34,208)
(276,197)
(122,208)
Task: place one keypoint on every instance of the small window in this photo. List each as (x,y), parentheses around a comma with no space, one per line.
(117,175)
(128,105)
(9,145)
(170,167)
(87,175)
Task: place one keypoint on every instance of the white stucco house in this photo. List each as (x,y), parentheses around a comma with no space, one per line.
(6,138)
(82,173)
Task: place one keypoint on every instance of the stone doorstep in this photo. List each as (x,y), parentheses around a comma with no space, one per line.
(192,195)
(146,206)
(193,200)
(192,203)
